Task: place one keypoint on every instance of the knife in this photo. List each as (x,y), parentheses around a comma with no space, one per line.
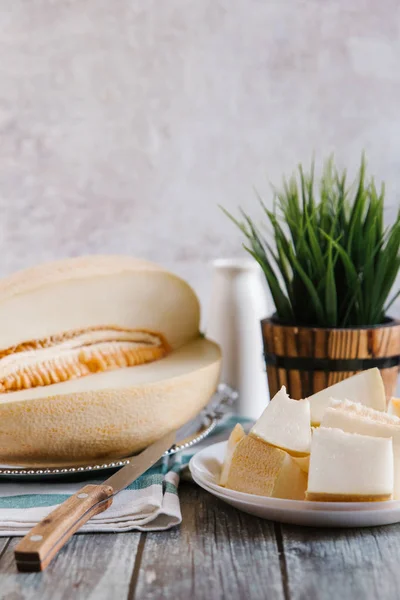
(41,544)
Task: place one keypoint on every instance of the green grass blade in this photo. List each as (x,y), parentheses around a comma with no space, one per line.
(356,214)
(330,292)
(368,272)
(391,302)
(303,190)
(351,275)
(387,268)
(281,302)
(315,249)
(314,298)
(238,224)
(284,267)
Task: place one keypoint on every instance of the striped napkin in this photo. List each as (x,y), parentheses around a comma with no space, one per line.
(151,503)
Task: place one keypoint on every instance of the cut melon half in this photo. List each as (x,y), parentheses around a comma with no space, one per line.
(365,388)
(99,356)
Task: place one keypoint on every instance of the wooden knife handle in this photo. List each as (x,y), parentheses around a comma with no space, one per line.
(41,544)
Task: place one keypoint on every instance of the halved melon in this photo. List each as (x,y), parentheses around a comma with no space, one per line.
(99,357)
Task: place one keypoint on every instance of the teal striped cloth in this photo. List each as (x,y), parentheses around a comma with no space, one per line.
(151,503)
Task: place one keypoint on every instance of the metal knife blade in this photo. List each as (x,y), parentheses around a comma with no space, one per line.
(140,463)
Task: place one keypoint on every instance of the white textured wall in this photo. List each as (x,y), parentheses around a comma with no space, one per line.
(123,123)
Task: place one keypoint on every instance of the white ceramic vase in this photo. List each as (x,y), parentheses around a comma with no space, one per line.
(238,303)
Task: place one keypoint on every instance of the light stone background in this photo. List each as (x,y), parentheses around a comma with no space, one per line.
(124,123)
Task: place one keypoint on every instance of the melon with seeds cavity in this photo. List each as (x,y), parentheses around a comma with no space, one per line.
(99,357)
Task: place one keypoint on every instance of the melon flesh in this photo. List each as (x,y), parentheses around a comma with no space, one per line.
(365,388)
(261,469)
(76,354)
(285,423)
(355,418)
(236,435)
(303,462)
(110,414)
(347,467)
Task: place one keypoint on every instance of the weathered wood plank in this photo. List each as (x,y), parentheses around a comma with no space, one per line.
(90,566)
(336,564)
(3,545)
(217,553)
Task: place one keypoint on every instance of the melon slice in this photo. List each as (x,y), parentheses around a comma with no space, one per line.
(355,418)
(261,469)
(285,423)
(347,467)
(99,356)
(236,435)
(366,388)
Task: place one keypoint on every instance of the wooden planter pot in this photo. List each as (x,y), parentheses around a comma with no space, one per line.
(308,359)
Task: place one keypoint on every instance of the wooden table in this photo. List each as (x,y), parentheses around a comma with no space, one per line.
(217,553)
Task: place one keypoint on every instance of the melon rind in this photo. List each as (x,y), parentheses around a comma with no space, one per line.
(85,292)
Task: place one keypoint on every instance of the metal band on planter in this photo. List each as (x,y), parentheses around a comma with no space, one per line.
(299,363)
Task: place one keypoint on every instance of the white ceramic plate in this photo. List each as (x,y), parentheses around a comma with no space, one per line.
(205,468)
